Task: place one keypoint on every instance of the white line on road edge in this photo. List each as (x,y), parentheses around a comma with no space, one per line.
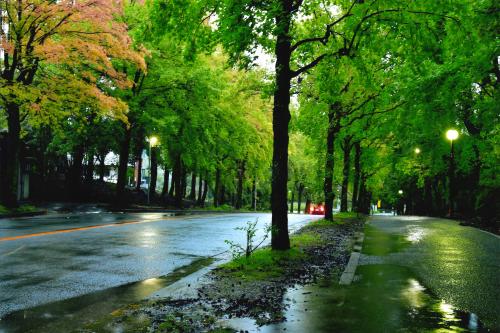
(348,275)
(489,233)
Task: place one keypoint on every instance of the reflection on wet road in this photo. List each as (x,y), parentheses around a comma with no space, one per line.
(459,264)
(59,266)
(415,275)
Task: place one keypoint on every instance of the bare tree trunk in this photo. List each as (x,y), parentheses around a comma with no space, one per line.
(292,200)
(200,190)
(178,181)
(357,174)
(241,177)
(166,174)
(172,186)
(346,147)
(192,194)
(9,178)
(123,166)
(154,173)
(139,173)
(254,194)
(205,191)
(89,172)
(333,128)
(184,181)
(216,188)
(281,117)
(102,167)
(76,172)
(222,198)
(299,201)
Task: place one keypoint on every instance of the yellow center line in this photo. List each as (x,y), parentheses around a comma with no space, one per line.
(63,231)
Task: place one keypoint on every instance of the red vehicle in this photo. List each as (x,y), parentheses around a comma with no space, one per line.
(318,209)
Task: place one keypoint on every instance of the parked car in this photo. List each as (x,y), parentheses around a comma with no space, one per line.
(318,209)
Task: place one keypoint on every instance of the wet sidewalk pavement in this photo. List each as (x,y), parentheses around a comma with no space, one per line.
(414,275)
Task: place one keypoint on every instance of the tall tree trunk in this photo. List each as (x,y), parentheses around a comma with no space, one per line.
(346,147)
(138,173)
(192,194)
(222,198)
(357,174)
(216,188)
(363,194)
(172,186)
(292,199)
(427,207)
(102,167)
(329,160)
(166,175)
(76,173)
(241,177)
(200,190)
(154,172)
(254,194)
(299,199)
(205,192)
(89,170)
(10,169)
(123,166)
(281,117)
(184,181)
(178,181)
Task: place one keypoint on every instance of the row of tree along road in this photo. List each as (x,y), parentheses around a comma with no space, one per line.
(372,83)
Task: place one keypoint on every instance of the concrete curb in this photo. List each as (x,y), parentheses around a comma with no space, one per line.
(348,274)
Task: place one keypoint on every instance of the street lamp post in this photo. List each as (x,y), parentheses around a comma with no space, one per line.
(451,135)
(153,141)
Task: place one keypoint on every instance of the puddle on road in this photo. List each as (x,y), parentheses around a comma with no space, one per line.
(67,315)
(386,298)
(380,243)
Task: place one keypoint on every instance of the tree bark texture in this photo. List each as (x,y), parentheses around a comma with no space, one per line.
(241,178)
(281,117)
(178,181)
(192,194)
(154,172)
(333,128)
(346,148)
(357,174)
(200,190)
(9,178)
(216,187)
(123,166)
(166,174)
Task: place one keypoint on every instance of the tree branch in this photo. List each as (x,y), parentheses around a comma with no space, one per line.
(328,31)
(308,66)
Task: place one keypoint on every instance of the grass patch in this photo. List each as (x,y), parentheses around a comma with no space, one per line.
(266,264)
(347,215)
(327,223)
(20,209)
(305,239)
(262,265)
(340,219)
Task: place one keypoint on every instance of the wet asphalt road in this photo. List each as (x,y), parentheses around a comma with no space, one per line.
(458,265)
(39,264)
(415,274)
